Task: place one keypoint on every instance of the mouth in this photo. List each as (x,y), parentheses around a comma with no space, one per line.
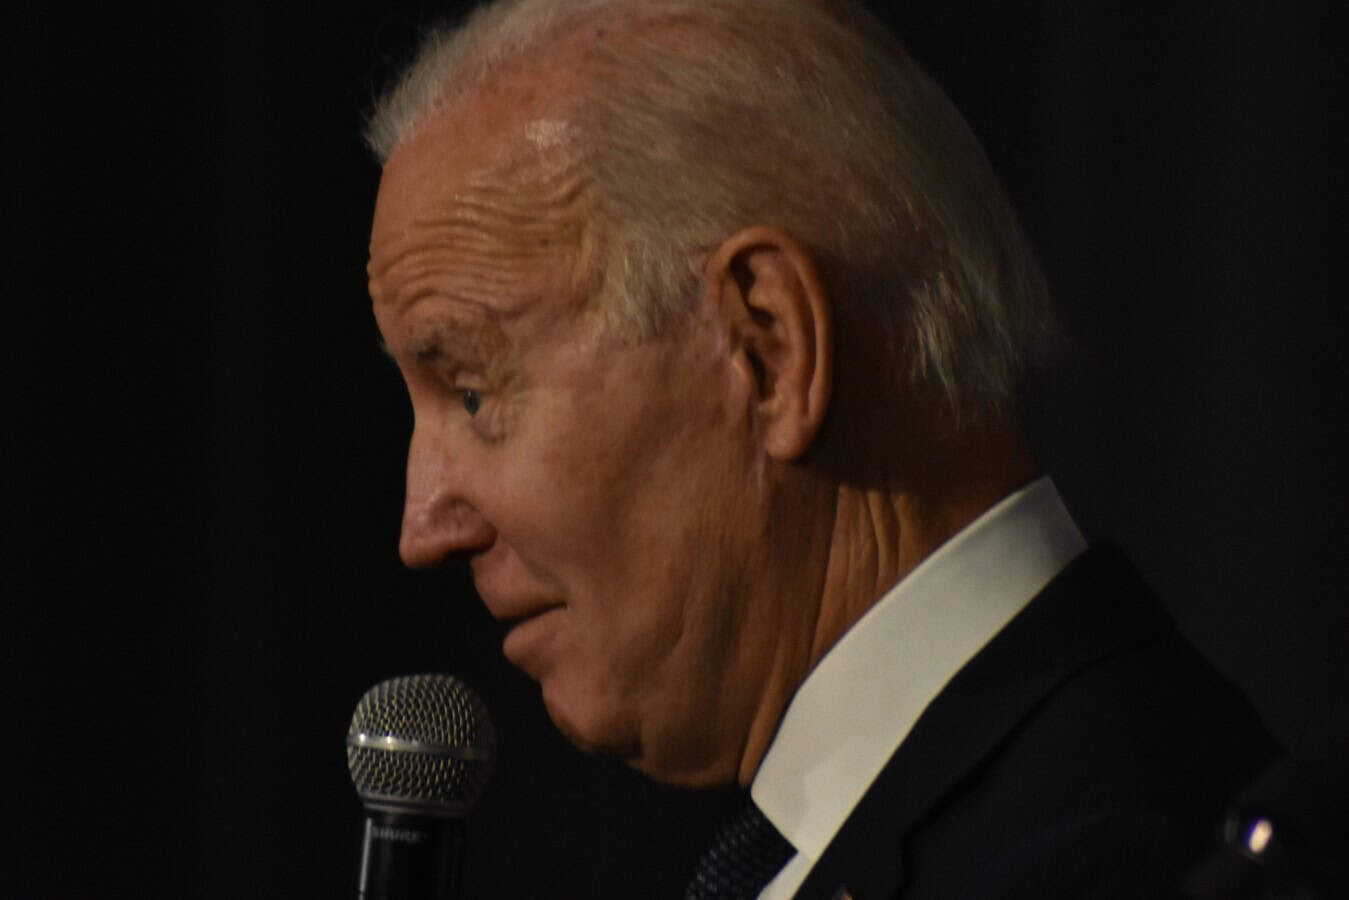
(526,634)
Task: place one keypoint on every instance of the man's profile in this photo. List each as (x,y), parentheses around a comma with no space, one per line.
(714,320)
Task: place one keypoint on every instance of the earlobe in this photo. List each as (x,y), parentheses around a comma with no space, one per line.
(780,317)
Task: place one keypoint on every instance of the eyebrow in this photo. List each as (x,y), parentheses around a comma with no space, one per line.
(464,339)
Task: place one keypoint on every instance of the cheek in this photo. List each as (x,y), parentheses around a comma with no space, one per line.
(571,480)
(621,488)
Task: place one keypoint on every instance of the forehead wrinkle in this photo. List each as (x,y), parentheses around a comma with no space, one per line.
(483,288)
(469,265)
(470,231)
(493,236)
(534,209)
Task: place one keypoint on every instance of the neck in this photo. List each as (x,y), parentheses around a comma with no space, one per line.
(880,535)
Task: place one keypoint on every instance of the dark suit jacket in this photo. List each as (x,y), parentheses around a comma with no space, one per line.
(1086,751)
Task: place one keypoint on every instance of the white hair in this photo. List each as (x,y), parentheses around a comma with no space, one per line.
(704,117)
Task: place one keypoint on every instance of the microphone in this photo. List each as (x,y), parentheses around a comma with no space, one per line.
(420,750)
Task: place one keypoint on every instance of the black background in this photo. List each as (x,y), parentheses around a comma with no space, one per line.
(204,473)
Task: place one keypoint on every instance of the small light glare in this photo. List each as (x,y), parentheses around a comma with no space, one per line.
(1258,839)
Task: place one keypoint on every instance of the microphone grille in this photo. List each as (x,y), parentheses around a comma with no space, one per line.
(421,743)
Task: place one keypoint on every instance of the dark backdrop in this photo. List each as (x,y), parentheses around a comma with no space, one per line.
(205,461)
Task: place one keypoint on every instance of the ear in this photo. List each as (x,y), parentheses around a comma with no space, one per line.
(778,314)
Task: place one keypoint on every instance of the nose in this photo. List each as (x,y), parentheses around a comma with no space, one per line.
(439,522)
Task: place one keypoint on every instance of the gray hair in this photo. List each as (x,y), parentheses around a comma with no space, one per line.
(784,113)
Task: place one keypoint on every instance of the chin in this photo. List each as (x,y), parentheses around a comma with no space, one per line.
(589,721)
(613,730)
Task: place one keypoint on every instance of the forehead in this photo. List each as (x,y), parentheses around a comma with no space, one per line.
(489,197)
(503,134)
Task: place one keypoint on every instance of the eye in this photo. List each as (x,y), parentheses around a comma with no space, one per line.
(472,400)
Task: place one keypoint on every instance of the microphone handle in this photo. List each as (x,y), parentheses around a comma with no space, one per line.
(409,857)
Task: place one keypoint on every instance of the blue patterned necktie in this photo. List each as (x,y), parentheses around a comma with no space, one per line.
(744,857)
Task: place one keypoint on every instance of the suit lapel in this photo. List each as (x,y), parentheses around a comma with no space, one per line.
(1090,611)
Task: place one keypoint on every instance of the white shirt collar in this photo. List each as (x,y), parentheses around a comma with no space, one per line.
(859,703)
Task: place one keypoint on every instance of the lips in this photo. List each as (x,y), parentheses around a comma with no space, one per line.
(528,634)
(517,603)
(514,607)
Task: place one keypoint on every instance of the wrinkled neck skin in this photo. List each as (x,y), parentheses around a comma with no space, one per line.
(879,534)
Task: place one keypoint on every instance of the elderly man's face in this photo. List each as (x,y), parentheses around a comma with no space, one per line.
(605,492)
